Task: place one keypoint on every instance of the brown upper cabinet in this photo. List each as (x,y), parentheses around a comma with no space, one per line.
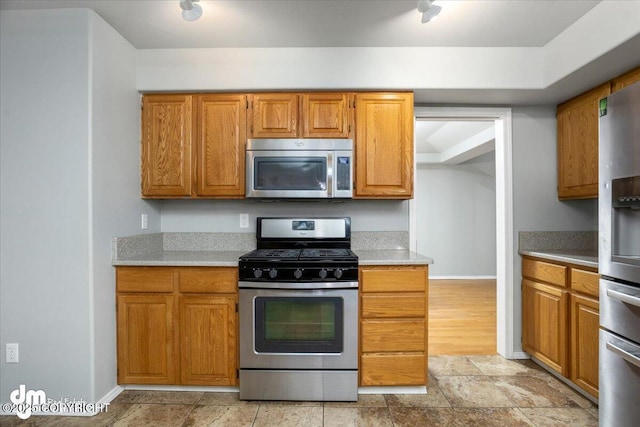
(384,145)
(273,115)
(578,139)
(326,115)
(299,115)
(578,145)
(221,137)
(179,131)
(166,145)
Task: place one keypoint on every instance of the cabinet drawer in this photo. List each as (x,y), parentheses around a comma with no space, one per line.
(393,369)
(545,272)
(391,279)
(144,279)
(208,280)
(585,281)
(381,306)
(397,335)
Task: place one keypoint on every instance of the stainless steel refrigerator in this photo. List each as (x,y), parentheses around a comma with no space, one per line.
(619,258)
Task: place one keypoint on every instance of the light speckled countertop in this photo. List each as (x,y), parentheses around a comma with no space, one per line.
(573,247)
(224,249)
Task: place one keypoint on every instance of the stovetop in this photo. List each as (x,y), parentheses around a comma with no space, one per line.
(301,249)
(275,255)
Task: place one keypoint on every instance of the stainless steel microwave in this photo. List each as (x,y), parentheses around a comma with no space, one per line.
(299,168)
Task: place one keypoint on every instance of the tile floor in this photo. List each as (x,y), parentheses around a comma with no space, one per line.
(463,391)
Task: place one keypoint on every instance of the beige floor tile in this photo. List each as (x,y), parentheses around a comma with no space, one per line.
(560,417)
(157,415)
(223,399)
(174,397)
(289,416)
(364,400)
(472,391)
(357,416)
(423,417)
(433,399)
(532,392)
(499,366)
(222,416)
(452,365)
(490,417)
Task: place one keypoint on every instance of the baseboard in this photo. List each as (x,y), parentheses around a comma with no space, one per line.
(520,355)
(462,277)
(213,389)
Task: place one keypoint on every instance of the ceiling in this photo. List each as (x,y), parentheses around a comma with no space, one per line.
(154,24)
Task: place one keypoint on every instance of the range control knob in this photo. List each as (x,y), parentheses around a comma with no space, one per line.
(322,273)
(297,274)
(257,273)
(273,273)
(337,273)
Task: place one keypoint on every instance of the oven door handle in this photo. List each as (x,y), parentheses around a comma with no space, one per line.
(627,355)
(624,297)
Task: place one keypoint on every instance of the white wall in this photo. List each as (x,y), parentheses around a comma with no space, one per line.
(456,217)
(223,215)
(44,258)
(535,201)
(115,182)
(69,183)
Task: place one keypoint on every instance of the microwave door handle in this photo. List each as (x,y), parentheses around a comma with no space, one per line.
(624,297)
(331,167)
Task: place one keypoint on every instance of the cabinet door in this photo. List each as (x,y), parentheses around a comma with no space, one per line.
(221,138)
(384,145)
(273,115)
(166,146)
(146,339)
(326,115)
(208,339)
(544,324)
(578,145)
(585,322)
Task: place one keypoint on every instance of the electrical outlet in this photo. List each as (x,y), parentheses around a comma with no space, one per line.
(12,353)
(244,220)
(143,221)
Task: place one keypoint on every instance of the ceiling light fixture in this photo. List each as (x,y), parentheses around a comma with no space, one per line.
(190,10)
(428,10)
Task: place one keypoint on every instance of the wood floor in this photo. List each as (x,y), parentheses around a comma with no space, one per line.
(462,317)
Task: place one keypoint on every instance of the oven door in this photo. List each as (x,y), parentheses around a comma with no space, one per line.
(298,329)
(289,174)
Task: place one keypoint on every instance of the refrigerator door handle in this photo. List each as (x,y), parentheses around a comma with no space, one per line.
(624,297)
(625,354)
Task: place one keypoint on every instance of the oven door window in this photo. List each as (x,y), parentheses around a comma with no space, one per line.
(299,324)
(290,173)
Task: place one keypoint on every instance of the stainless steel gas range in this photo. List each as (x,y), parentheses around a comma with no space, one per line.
(299,312)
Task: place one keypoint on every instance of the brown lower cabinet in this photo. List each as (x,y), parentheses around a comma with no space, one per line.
(393,325)
(177,325)
(560,319)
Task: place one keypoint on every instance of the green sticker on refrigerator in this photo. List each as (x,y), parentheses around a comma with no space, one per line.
(603,107)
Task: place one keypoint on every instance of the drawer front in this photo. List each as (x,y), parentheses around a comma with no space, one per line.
(385,306)
(208,280)
(545,272)
(585,282)
(144,279)
(393,369)
(620,309)
(396,335)
(389,279)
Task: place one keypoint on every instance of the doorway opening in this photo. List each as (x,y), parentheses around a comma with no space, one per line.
(504,248)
